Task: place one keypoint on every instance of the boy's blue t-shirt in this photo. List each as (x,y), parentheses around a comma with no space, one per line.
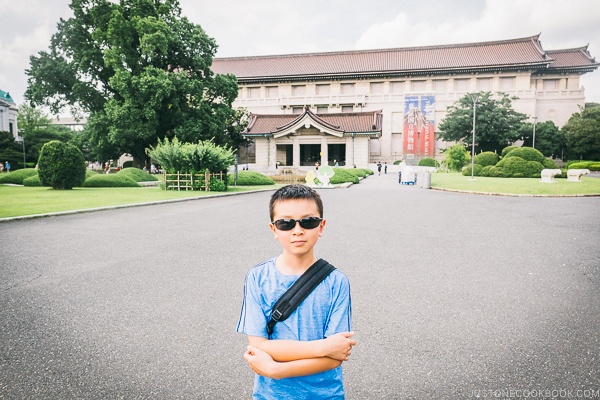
(325,312)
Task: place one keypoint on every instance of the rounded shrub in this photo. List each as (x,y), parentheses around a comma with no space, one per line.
(500,163)
(550,164)
(61,165)
(580,165)
(487,158)
(357,172)
(250,178)
(476,170)
(485,171)
(527,154)
(137,174)
(533,169)
(594,166)
(17,177)
(217,185)
(368,171)
(507,150)
(110,180)
(342,176)
(570,163)
(33,180)
(513,165)
(496,172)
(429,162)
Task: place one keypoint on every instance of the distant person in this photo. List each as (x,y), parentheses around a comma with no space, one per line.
(106,168)
(385,168)
(1,167)
(317,165)
(378,168)
(7,166)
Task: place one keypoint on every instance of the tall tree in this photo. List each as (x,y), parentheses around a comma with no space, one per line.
(582,133)
(548,138)
(142,72)
(496,124)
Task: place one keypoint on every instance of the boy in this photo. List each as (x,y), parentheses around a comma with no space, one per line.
(303,356)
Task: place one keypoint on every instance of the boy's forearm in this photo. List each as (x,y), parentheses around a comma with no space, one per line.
(290,350)
(303,367)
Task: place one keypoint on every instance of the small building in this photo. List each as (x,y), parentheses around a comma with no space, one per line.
(8,114)
(303,105)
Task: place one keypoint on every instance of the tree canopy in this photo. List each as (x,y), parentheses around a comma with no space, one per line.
(582,133)
(496,123)
(548,138)
(142,72)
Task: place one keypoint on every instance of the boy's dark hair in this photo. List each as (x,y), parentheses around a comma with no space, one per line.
(295,192)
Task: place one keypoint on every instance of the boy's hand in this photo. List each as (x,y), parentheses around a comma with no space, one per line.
(260,362)
(339,346)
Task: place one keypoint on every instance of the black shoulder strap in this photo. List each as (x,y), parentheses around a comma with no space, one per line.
(296,294)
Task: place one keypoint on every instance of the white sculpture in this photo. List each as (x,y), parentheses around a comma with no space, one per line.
(549,174)
(324,175)
(574,175)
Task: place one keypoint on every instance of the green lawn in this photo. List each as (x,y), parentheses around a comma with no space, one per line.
(22,200)
(523,186)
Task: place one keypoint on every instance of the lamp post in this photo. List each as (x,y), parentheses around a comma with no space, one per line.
(534,120)
(474,98)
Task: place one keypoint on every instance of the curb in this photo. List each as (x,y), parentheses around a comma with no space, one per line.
(513,194)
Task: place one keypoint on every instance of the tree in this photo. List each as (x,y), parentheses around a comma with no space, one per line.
(548,138)
(496,124)
(10,150)
(37,129)
(456,157)
(141,71)
(582,134)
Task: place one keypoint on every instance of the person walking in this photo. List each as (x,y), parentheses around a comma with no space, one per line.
(379,168)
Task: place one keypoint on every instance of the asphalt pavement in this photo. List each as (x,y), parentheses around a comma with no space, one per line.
(454,296)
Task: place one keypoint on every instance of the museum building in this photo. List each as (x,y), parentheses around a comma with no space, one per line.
(363,107)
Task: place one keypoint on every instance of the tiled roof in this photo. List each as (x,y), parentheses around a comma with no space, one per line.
(515,53)
(355,122)
(572,58)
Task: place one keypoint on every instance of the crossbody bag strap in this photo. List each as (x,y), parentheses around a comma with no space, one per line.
(296,294)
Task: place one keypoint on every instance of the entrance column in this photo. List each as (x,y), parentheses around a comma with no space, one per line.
(296,152)
(324,152)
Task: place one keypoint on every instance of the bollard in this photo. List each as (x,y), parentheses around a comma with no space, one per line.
(426,178)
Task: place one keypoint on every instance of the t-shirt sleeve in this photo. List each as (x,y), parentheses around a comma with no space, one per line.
(253,321)
(340,319)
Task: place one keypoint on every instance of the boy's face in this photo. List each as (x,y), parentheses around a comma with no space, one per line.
(298,241)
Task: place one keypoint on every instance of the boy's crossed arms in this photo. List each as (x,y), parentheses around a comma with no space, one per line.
(279,359)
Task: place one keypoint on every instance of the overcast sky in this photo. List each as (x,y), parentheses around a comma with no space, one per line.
(263,27)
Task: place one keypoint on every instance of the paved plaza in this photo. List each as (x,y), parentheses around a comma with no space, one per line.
(454,296)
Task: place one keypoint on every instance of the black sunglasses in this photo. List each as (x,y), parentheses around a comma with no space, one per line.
(287,224)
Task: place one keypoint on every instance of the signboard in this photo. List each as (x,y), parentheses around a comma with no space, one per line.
(419,126)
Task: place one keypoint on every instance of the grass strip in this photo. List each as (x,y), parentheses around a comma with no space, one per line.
(21,201)
(517,186)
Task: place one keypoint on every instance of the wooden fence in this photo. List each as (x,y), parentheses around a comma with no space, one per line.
(180,181)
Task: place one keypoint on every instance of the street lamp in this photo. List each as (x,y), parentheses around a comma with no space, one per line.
(22,140)
(474,97)
(534,120)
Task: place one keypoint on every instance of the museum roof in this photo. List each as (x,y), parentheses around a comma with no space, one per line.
(348,123)
(485,56)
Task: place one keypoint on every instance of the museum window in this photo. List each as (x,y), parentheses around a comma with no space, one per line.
(347,88)
(461,85)
(397,87)
(253,92)
(418,86)
(440,85)
(297,110)
(322,89)
(272,92)
(376,87)
(298,90)
(484,84)
(507,83)
(322,109)
(346,109)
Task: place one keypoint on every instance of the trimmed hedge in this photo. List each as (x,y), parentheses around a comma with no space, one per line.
(487,158)
(368,171)
(342,176)
(591,165)
(513,165)
(357,172)
(110,180)
(17,176)
(507,150)
(477,168)
(33,180)
(527,154)
(137,174)
(568,165)
(533,169)
(250,178)
(429,162)
(61,165)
